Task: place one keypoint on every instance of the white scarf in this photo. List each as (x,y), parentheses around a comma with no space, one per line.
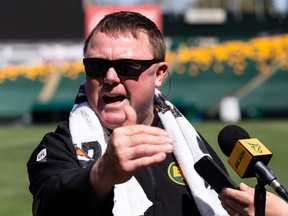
(129,197)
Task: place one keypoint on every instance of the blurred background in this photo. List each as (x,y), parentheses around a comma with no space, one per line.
(228,64)
(216,49)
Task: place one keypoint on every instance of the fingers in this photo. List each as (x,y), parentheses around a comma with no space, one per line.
(129,148)
(141,162)
(126,154)
(150,149)
(133,135)
(241,197)
(132,143)
(242,202)
(235,201)
(246,188)
(137,129)
(134,146)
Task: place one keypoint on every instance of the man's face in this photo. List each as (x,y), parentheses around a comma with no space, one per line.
(108,95)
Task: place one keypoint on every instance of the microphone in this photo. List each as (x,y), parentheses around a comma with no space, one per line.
(248,156)
(242,151)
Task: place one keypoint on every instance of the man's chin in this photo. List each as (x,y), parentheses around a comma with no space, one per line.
(113,121)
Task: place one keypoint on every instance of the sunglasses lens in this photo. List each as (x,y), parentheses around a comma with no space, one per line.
(128,69)
(94,67)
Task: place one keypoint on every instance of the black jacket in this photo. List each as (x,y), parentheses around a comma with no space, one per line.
(60,186)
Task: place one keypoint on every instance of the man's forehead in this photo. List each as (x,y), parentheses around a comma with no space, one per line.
(109,46)
(117,33)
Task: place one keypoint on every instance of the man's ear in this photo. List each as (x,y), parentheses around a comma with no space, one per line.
(162,70)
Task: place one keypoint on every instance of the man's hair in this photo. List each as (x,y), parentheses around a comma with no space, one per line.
(127,22)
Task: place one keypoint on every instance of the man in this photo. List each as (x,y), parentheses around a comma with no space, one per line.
(113,156)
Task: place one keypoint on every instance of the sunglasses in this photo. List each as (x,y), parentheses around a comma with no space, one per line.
(127,68)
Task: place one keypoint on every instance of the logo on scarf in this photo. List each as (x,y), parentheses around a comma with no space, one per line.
(175,174)
(88,152)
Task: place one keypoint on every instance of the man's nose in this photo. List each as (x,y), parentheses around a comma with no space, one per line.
(111,76)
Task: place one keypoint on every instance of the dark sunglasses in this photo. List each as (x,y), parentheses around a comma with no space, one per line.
(127,68)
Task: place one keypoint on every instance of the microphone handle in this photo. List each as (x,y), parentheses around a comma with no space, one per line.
(268,177)
(263,172)
(275,184)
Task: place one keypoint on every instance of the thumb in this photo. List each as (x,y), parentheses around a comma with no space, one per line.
(244,187)
(131,116)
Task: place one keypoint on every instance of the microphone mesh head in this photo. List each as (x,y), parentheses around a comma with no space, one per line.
(229,136)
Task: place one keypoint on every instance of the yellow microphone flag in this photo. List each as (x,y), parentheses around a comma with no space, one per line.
(245,154)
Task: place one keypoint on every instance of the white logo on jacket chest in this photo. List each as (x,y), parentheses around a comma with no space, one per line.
(41,157)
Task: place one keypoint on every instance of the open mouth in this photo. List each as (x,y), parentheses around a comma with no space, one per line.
(113,99)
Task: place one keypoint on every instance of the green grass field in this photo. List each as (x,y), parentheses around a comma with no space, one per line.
(17,143)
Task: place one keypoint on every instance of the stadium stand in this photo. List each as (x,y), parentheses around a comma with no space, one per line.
(197,92)
(63,96)
(58,106)
(17,97)
(203,91)
(270,97)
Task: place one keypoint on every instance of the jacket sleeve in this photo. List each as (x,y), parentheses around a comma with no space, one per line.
(59,185)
